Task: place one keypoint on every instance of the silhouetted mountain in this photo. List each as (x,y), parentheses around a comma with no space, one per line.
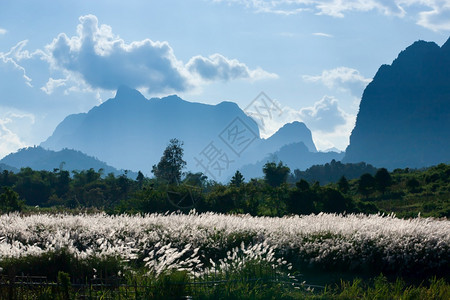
(4,167)
(38,158)
(131,132)
(290,133)
(404,115)
(295,156)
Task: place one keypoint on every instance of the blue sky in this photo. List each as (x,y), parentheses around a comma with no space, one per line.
(312,57)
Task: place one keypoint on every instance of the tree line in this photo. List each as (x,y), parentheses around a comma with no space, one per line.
(278,193)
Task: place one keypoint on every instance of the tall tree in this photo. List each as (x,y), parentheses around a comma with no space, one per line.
(343,185)
(383,180)
(195,179)
(237,179)
(140,179)
(171,164)
(9,201)
(366,184)
(333,201)
(274,174)
(302,185)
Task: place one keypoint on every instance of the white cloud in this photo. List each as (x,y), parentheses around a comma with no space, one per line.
(437,19)
(53,84)
(324,115)
(104,61)
(218,67)
(20,115)
(431,14)
(330,125)
(9,140)
(3,31)
(339,138)
(338,8)
(342,78)
(322,34)
(12,58)
(288,34)
(335,8)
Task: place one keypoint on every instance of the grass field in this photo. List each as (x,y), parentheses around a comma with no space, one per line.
(318,249)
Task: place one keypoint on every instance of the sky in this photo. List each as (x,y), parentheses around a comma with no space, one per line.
(312,58)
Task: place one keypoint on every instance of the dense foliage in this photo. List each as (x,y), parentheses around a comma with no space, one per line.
(405,192)
(332,172)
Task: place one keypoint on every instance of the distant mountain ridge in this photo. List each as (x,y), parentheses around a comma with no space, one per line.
(404,115)
(38,158)
(5,167)
(131,132)
(284,137)
(295,156)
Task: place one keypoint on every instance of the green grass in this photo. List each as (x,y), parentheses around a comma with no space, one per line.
(178,285)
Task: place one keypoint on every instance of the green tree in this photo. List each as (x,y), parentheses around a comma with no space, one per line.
(366,184)
(33,186)
(9,201)
(301,199)
(343,185)
(63,183)
(237,179)
(383,180)
(274,174)
(7,178)
(195,179)
(302,185)
(412,184)
(171,164)
(140,177)
(333,201)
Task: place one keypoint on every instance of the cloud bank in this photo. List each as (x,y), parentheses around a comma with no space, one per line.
(105,61)
(218,67)
(9,125)
(324,115)
(436,19)
(431,14)
(343,78)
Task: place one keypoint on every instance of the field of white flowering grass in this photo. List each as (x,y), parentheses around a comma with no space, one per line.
(199,243)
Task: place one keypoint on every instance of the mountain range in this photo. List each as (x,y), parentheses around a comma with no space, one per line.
(38,158)
(131,132)
(403,121)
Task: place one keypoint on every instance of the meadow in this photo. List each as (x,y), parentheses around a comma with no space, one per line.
(198,245)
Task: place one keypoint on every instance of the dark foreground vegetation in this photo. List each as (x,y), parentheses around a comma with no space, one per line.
(405,192)
(177,285)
